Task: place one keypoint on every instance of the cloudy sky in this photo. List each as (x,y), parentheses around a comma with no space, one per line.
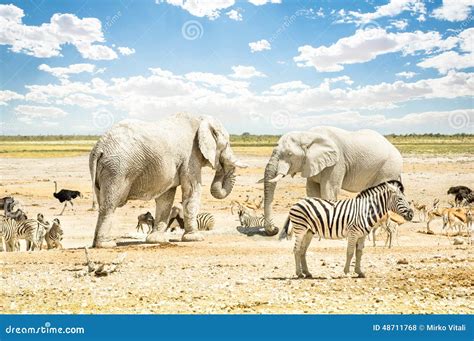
(261,66)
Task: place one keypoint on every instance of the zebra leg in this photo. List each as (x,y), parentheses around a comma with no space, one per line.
(297,251)
(351,244)
(359,250)
(374,230)
(306,241)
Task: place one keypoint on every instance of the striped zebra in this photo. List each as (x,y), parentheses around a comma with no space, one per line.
(351,218)
(205,221)
(248,220)
(54,235)
(12,231)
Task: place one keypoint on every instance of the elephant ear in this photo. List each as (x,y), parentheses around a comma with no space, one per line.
(207,142)
(321,153)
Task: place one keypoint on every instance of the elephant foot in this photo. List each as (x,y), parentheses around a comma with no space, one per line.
(272,232)
(106,244)
(157,237)
(192,237)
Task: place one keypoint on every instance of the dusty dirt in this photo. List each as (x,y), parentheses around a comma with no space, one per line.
(231,272)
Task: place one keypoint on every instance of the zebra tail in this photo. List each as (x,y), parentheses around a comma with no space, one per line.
(286,231)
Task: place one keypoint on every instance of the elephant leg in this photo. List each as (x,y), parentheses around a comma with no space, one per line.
(306,241)
(330,186)
(104,224)
(191,203)
(163,208)
(359,250)
(313,189)
(351,245)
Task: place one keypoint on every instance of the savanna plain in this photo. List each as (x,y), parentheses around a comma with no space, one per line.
(234,270)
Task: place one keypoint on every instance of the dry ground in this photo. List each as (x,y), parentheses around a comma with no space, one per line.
(231,272)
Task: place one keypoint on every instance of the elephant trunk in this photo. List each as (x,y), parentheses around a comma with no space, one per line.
(269,190)
(223,182)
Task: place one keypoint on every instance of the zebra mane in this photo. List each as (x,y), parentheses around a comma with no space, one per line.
(370,189)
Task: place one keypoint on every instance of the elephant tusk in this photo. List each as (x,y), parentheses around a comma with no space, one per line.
(240,164)
(277,178)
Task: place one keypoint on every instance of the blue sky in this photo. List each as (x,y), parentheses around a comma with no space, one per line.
(262,66)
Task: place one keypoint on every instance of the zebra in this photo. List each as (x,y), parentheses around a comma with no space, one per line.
(54,235)
(205,221)
(352,218)
(12,231)
(248,220)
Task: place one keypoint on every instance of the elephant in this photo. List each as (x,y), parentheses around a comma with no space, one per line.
(143,160)
(330,159)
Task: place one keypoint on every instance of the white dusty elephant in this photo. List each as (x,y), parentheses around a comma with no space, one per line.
(330,159)
(143,160)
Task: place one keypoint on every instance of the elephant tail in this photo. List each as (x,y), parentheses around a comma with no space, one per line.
(93,160)
(287,230)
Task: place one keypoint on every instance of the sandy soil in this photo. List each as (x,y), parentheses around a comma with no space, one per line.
(231,272)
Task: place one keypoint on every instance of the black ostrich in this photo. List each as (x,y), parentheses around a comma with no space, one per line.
(65,195)
(461,193)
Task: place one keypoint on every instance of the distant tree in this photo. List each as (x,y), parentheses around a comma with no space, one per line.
(246,134)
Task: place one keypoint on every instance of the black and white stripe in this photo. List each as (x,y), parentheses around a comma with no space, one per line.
(351,218)
(54,235)
(12,231)
(248,220)
(205,221)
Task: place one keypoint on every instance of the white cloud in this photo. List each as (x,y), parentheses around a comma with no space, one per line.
(393,8)
(46,40)
(453,10)
(344,79)
(212,8)
(234,15)
(406,74)
(201,8)
(282,88)
(366,45)
(259,45)
(96,52)
(82,100)
(263,2)
(452,60)
(126,51)
(245,72)
(7,95)
(31,114)
(162,93)
(64,72)
(423,122)
(399,24)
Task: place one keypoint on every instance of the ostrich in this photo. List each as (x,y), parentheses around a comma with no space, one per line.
(65,195)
